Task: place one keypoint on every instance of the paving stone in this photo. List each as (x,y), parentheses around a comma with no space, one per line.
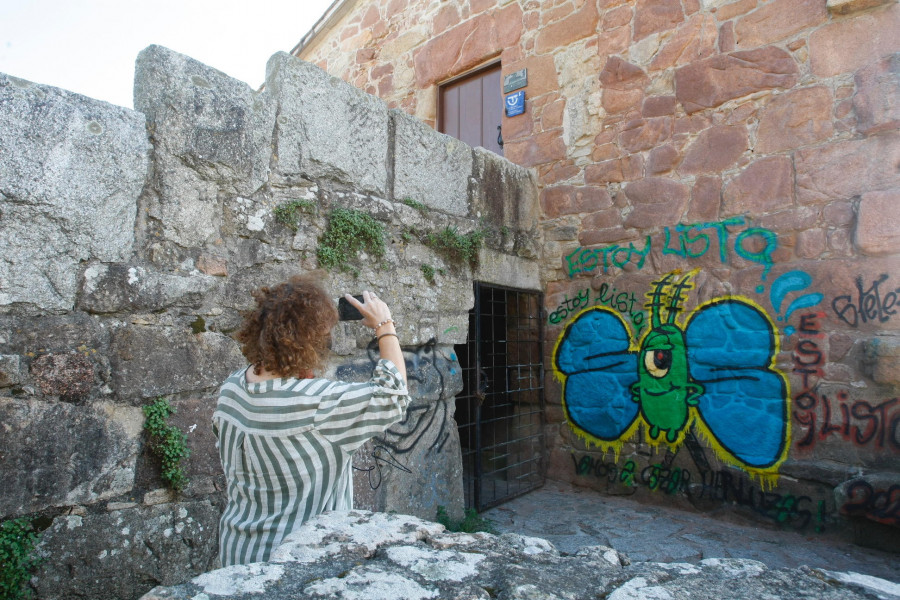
(646,532)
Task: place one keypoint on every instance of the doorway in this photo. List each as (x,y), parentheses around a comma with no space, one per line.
(471,108)
(500,409)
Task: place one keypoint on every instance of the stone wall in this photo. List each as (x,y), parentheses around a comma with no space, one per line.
(132,241)
(724,174)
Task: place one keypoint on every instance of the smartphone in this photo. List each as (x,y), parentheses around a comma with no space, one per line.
(348,312)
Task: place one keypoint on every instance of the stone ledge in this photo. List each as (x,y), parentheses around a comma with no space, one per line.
(359,554)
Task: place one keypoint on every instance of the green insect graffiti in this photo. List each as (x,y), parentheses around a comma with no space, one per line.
(664,389)
(716,371)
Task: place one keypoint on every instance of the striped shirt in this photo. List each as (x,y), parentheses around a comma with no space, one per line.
(286,446)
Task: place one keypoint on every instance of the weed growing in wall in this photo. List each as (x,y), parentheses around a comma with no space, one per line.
(471,523)
(428,271)
(168,442)
(456,247)
(288,213)
(198,325)
(17,541)
(349,232)
(415,204)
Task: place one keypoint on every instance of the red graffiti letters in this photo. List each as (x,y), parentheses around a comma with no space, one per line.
(859,422)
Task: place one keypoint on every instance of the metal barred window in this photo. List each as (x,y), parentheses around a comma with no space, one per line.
(500,410)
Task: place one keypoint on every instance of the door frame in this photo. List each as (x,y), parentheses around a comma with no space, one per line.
(474,475)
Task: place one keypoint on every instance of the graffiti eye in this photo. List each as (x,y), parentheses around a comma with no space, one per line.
(658,362)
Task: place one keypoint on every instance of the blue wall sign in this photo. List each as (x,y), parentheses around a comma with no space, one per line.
(515,104)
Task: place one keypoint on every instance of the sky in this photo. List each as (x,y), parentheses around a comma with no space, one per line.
(89,46)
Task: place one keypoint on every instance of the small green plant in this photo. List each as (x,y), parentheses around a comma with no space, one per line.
(471,523)
(288,213)
(428,271)
(17,541)
(349,231)
(198,325)
(415,204)
(456,247)
(168,442)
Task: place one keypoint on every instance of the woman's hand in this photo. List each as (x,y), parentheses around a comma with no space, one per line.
(377,315)
(373,309)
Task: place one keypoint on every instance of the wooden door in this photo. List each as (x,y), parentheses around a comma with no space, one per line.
(471,109)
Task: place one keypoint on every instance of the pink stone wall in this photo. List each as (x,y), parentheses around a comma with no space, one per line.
(753,144)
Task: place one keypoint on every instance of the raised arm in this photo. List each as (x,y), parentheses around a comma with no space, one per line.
(377,315)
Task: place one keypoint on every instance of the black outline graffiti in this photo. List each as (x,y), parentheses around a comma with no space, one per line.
(376,468)
(870,306)
(416,372)
(419,418)
(879,505)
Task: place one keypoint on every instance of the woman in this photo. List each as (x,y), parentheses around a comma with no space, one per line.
(285,437)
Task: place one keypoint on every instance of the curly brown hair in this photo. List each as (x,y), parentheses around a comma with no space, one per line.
(289,332)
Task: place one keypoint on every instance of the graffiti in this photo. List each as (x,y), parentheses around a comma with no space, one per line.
(657,476)
(588,465)
(627,474)
(422,417)
(427,416)
(786,509)
(585,260)
(860,422)
(716,372)
(670,480)
(792,281)
(688,241)
(570,306)
(623,302)
(726,486)
(879,505)
(869,305)
(764,256)
(722,486)
(380,456)
(808,358)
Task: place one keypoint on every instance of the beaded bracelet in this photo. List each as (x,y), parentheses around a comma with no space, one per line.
(383,323)
(378,339)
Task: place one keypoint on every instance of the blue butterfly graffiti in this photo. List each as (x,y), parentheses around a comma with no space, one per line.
(717,373)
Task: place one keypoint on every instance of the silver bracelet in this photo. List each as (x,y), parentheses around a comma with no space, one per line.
(378,339)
